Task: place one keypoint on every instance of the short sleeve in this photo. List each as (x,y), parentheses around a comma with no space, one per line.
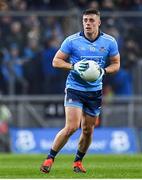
(66,46)
(113,48)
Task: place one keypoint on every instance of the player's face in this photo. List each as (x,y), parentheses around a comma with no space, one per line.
(91,23)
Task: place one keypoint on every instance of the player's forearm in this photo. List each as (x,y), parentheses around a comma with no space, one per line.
(114,65)
(113,68)
(60,63)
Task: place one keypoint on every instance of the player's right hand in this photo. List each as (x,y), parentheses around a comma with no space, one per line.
(80,66)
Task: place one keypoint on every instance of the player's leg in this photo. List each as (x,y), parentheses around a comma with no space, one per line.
(87,125)
(73,118)
(91,108)
(73,114)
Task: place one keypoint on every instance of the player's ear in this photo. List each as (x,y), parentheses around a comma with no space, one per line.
(99,22)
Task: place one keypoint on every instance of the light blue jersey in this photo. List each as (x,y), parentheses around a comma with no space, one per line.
(78,47)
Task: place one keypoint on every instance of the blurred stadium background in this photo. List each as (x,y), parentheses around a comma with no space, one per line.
(32,92)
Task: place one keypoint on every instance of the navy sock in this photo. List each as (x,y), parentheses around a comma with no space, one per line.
(52,154)
(79,156)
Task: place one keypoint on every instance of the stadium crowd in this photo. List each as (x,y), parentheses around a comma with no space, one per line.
(29,43)
(108,5)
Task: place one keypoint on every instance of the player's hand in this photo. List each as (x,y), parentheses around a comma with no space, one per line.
(80,66)
(102,73)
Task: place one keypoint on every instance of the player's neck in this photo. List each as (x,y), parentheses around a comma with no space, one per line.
(91,36)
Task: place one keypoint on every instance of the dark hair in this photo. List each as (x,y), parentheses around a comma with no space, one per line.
(91,11)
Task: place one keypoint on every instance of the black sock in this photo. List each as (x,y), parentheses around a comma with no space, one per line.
(79,156)
(52,154)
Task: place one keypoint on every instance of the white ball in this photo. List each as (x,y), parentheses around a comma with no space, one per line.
(92,73)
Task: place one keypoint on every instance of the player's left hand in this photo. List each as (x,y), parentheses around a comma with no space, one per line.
(102,73)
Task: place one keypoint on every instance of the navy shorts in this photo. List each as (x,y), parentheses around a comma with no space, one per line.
(89,102)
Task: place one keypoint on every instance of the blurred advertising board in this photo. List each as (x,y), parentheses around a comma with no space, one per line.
(105,140)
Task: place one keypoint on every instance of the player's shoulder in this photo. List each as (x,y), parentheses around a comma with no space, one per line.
(108,37)
(74,36)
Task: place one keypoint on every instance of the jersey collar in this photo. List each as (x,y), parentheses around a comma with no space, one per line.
(99,34)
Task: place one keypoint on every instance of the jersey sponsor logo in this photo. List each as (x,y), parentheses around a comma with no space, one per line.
(98,59)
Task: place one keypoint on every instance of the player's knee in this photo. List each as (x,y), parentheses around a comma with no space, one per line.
(70,131)
(87,131)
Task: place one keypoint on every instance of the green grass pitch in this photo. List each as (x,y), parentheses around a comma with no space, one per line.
(98,166)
